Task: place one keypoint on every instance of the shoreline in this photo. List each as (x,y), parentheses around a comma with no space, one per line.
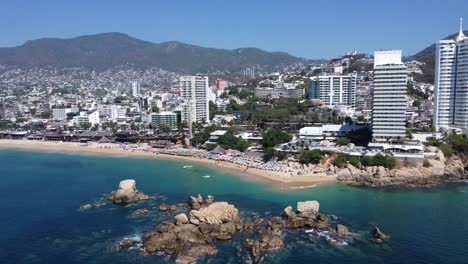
(273,178)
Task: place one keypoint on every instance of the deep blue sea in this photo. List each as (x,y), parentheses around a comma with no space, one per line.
(40,220)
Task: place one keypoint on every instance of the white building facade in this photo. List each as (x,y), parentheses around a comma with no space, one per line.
(334,90)
(389,96)
(451,83)
(136,89)
(195,92)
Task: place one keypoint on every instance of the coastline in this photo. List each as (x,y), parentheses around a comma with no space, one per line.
(274,178)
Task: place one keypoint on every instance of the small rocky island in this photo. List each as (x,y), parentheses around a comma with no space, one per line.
(193,235)
(127,193)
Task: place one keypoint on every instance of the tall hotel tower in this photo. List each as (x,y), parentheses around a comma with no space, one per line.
(451,83)
(194,89)
(389,96)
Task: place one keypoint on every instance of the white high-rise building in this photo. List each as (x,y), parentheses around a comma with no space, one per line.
(135,89)
(451,83)
(334,90)
(389,96)
(194,90)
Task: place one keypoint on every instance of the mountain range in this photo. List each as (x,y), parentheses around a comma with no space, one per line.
(427,56)
(108,50)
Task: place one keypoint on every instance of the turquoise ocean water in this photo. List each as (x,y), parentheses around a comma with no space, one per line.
(41,192)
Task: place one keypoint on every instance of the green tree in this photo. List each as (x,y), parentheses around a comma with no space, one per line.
(312,156)
(340,161)
(155,109)
(274,136)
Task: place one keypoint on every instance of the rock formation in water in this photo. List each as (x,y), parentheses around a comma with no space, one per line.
(440,170)
(193,235)
(127,193)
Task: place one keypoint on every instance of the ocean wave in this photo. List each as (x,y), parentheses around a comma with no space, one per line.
(327,236)
(303,187)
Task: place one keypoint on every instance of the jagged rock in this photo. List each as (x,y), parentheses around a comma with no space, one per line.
(248,227)
(288,212)
(140,212)
(270,240)
(181,219)
(164,227)
(209,200)
(297,222)
(205,228)
(127,243)
(216,213)
(378,235)
(199,199)
(193,203)
(86,206)
(127,193)
(312,206)
(342,230)
(322,225)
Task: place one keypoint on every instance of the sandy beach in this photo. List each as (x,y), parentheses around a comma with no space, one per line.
(275,178)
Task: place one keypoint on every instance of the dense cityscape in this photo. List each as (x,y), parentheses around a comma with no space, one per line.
(233,132)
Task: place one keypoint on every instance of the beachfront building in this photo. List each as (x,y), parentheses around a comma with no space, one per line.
(169,119)
(114,113)
(60,114)
(327,132)
(334,90)
(90,117)
(389,96)
(194,91)
(451,83)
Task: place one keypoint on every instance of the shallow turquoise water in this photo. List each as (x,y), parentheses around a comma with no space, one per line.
(41,193)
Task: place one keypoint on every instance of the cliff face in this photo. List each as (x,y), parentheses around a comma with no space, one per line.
(438,172)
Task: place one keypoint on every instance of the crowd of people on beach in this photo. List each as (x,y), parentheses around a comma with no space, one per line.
(244,161)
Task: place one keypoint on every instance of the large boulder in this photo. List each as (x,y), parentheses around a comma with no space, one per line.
(127,193)
(288,212)
(215,213)
(342,230)
(308,206)
(181,219)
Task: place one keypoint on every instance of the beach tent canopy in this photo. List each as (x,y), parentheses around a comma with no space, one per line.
(104,140)
(218,150)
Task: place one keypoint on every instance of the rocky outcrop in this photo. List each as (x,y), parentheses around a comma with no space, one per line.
(271,239)
(409,175)
(378,235)
(140,212)
(215,213)
(188,238)
(127,193)
(191,238)
(166,207)
(181,219)
(342,230)
(308,206)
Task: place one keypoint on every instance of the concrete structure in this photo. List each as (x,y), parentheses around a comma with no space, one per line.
(60,114)
(91,117)
(136,89)
(168,119)
(389,96)
(334,90)
(451,83)
(327,132)
(278,92)
(194,90)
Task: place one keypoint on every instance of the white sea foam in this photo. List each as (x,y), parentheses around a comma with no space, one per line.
(206,176)
(303,187)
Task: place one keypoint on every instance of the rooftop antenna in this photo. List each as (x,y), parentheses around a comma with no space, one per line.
(461,36)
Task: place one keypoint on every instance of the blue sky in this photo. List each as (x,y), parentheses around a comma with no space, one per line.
(310,29)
